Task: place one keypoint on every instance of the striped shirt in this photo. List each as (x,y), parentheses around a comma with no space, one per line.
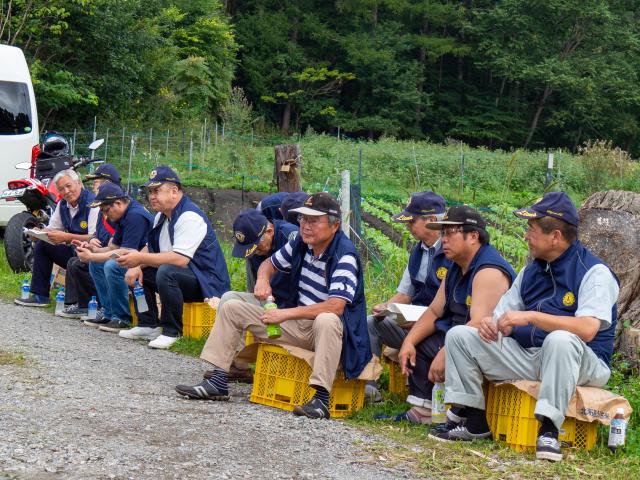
(312,287)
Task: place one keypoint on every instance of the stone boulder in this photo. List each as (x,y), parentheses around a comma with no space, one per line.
(610,228)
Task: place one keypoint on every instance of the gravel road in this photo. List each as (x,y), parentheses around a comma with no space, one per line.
(88,404)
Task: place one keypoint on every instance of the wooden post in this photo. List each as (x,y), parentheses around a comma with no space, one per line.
(287,168)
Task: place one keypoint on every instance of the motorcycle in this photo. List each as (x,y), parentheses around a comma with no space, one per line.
(40,197)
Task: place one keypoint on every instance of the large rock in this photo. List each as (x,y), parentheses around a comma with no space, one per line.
(610,228)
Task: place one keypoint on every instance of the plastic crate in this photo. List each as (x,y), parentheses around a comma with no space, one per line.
(281,381)
(510,417)
(397,381)
(197,319)
(248,339)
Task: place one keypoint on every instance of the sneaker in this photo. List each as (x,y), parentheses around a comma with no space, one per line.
(548,448)
(163,342)
(99,315)
(73,311)
(443,429)
(371,394)
(314,408)
(97,322)
(141,333)
(115,325)
(33,301)
(417,415)
(460,433)
(202,391)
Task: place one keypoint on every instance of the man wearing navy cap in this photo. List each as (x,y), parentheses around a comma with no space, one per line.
(133,223)
(182,260)
(425,271)
(558,321)
(475,281)
(327,314)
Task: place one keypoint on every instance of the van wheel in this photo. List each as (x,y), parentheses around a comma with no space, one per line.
(17,246)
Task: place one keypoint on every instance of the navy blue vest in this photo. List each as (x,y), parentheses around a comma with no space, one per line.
(458,288)
(207,264)
(141,214)
(77,225)
(424,292)
(280,280)
(102,233)
(553,288)
(356,349)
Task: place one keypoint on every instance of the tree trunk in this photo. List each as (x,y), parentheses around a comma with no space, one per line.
(286,119)
(287,168)
(534,123)
(422,56)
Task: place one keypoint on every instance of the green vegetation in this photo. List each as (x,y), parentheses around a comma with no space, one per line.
(12,358)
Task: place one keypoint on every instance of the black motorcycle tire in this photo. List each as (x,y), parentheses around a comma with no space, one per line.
(18,247)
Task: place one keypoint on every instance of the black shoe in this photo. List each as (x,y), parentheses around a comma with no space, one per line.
(73,311)
(314,408)
(115,325)
(202,391)
(441,431)
(460,433)
(548,448)
(33,301)
(98,321)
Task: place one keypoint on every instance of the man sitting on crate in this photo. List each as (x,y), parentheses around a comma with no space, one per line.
(326,309)
(558,322)
(256,239)
(426,269)
(476,280)
(182,261)
(72,219)
(133,223)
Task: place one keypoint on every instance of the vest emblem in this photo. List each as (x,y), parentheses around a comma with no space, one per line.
(441,272)
(468,302)
(83,224)
(568,299)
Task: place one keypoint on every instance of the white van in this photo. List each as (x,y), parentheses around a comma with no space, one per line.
(19,133)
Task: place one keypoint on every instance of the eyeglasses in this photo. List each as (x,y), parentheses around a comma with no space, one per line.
(311,221)
(449,231)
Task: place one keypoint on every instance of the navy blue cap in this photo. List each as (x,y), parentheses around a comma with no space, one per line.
(552,204)
(421,203)
(248,228)
(460,215)
(270,205)
(108,192)
(291,201)
(105,171)
(162,174)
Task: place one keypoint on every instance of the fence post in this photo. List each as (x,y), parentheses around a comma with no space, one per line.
(548,176)
(106,146)
(345,201)
(191,152)
(131,150)
(150,140)
(287,175)
(223,133)
(166,147)
(461,173)
(182,147)
(122,146)
(73,146)
(95,121)
(216,137)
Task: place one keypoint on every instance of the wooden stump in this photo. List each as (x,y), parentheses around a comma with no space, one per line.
(287,168)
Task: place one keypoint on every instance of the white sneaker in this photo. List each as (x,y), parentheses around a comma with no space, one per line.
(141,333)
(162,342)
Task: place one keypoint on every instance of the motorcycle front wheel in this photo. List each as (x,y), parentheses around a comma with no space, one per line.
(17,246)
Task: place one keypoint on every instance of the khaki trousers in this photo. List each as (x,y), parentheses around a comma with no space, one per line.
(238,313)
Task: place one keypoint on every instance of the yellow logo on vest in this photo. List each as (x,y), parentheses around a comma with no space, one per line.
(441,273)
(568,299)
(240,236)
(468,300)
(83,224)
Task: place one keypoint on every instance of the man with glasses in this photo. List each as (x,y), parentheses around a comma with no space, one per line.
(182,261)
(476,280)
(425,271)
(326,308)
(133,223)
(558,321)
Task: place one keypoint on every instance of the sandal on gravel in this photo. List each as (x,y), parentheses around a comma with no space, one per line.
(202,391)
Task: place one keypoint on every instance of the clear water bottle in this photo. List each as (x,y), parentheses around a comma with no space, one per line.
(273,329)
(617,430)
(438,409)
(24,290)
(92,312)
(141,301)
(60,301)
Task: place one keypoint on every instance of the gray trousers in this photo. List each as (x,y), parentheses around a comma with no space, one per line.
(384,331)
(563,362)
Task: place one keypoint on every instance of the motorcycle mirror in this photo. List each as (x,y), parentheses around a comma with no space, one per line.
(96,144)
(23,166)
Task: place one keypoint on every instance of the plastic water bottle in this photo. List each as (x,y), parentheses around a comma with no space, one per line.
(92,312)
(141,301)
(60,301)
(24,290)
(617,430)
(273,329)
(438,409)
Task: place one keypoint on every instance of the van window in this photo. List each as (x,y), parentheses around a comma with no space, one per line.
(15,108)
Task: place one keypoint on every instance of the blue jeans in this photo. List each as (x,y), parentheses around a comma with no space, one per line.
(113,291)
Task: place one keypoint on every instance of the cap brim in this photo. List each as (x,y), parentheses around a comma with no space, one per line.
(527,213)
(308,211)
(244,251)
(95,203)
(440,224)
(152,184)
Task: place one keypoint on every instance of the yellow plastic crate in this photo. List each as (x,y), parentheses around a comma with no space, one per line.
(281,381)
(397,381)
(248,339)
(510,417)
(197,319)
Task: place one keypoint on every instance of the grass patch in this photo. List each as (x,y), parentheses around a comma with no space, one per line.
(12,358)
(189,346)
